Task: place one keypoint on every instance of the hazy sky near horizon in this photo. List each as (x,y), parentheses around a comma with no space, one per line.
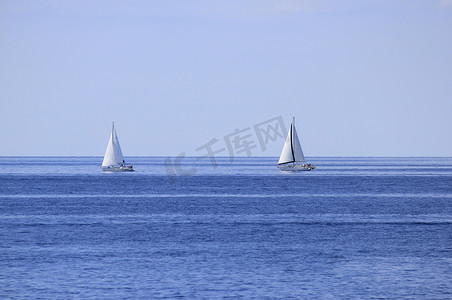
(363,78)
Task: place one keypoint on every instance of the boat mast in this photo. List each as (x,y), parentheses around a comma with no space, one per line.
(292,126)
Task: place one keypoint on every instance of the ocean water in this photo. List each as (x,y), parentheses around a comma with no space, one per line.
(354,228)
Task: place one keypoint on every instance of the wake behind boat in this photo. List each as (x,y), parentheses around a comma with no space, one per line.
(113,159)
(292,158)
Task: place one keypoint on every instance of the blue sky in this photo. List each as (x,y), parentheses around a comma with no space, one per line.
(363,78)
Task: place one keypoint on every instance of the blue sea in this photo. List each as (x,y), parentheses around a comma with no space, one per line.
(353,228)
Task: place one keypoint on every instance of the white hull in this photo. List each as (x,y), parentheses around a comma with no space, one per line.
(295,167)
(122,168)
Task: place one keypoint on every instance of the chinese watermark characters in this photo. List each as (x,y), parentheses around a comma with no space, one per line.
(240,142)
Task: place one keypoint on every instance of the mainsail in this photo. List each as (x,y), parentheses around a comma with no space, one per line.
(113,155)
(292,151)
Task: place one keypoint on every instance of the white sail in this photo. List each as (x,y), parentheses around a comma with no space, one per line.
(292,151)
(298,152)
(113,155)
(287,154)
(118,152)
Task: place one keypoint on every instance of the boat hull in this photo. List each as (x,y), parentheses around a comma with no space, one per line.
(295,168)
(122,168)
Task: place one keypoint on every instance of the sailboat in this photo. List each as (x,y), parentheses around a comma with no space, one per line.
(113,159)
(292,158)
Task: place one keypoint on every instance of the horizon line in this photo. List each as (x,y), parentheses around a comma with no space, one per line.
(200,156)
